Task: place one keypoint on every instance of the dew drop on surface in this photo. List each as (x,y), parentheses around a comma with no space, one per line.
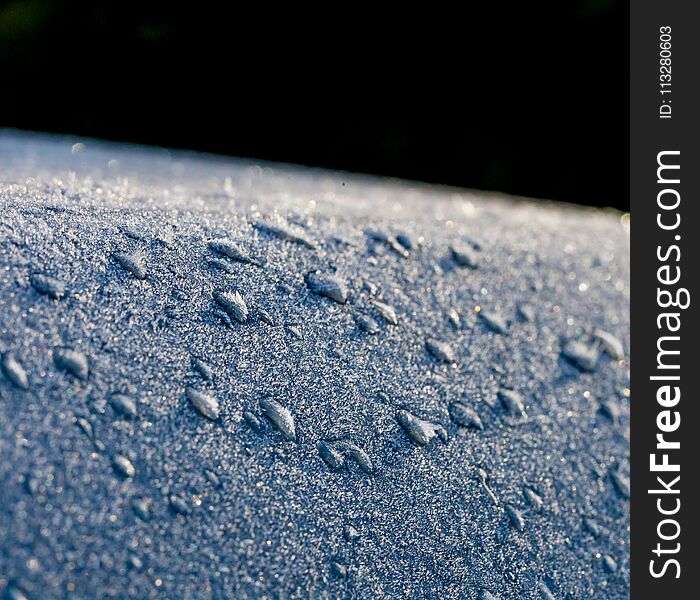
(73,362)
(206,404)
(49,286)
(440,350)
(464,256)
(580,355)
(330,286)
(421,432)
(465,416)
(124,405)
(14,371)
(280,417)
(233,304)
(124,467)
(133,263)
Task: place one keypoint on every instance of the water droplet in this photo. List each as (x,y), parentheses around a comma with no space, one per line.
(351,534)
(516,517)
(591,526)
(280,417)
(283,233)
(142,508)
(358,455)
(387,312)
(420,431)
(207,405)
(338,569)
(204,370)
(610,409)
(327,285)
(73,362)
(440,350)
(464,256)
(512,402)
(331,455)
(14,371)
(622,483)
(526,312)
(465,416)
(580,355)
(611,344)
(50,286)
(123,466)
(178,504)
(533,498)
(234,305)
(494,321)
(367,324)
(230,250)
(133,263)
(609,564)
(253,421)
(545,591)
(124,405)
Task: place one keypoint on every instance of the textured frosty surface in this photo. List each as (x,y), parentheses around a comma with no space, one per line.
(525,503)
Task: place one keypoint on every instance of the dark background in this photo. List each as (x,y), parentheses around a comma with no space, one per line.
(530,100)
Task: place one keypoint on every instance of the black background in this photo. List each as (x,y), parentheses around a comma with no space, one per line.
(531,100)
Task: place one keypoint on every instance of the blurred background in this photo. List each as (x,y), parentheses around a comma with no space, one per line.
(528,100)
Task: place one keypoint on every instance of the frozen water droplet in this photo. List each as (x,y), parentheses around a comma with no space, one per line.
(14,371)
(178,504)
(358,455)
(331,455)
(73,362)
(464,256)
(50,286)
(516,517)
(545,591)
(330,286)
(621,482)
(465,416)
(134,562)
(123,466)
(526,312)
(124,405)
(421,432)
(533,498)
(294,330)
(204,370)
(512,401)
(486,595)
(387,312)
(367,324)
(86,427)
(580,355)
(253,421)
(280,417)
(440,350)
(142,508)
(591,526)
(207,405)
(610,409)
(265,316)
(454,318)
(609,563)
(611,344)
(230,250)
(339,570)
(351,534)
(234,305)
(283,233)
(494,321)
(133,263)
